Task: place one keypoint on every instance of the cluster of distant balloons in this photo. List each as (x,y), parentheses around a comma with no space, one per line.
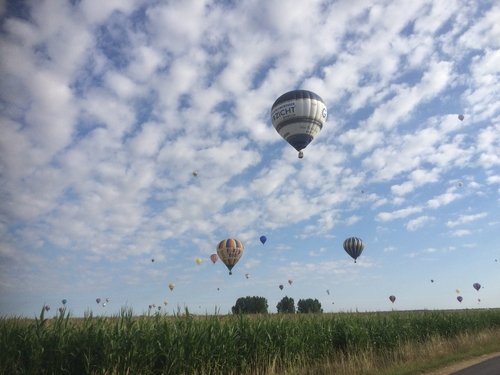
(476,286)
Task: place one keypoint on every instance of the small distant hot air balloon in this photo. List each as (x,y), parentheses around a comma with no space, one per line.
(165,302)
(218,289)
(328,291)
(354,247)
(171,286)
(61,309)
(457,291)
(247,275)
(198,260)
(152,260)
(461,117)
(281,286)
(392,298)
(107,299)
(195,173)
(263,239)
(64,301)
(459,299)
(104,304)
(230,252)
(46,307)
(476,286)
(290,281)
(298,116)
(432,280)
(98,300)
(214,258)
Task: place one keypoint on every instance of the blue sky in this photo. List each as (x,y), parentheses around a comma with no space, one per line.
(107,108)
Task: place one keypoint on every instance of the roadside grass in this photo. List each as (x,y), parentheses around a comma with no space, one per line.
(410,358)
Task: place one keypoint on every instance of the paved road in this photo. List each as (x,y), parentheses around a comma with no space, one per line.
(489,367)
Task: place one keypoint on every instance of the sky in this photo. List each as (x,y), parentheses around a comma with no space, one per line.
(107,109)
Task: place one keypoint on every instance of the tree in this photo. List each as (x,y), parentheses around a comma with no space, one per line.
(286,305)
(309,306)
(250,305)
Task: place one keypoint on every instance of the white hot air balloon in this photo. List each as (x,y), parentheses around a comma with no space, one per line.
(298,116)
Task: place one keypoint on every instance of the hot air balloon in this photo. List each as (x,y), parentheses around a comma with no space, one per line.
(98,300)
(457,291)
(476,286)
(64,301)
(281,286)
(195,173)
(198,260)
(290,281)
(171,286)
(298,116)
(328,291)
(392,298)
(165,302)
(214,258)
(354,247)
(432,280)
(263,239)
(461,117)
(152,260)
(229,252)
(247,275)
(46,307)
(459,299)
(61,309)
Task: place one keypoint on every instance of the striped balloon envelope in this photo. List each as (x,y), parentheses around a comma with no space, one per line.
(230,252)
(354,247)
(298,116)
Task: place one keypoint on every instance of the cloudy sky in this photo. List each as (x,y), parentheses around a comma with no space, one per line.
(107,109)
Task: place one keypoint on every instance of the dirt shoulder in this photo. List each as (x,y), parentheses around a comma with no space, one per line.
(461,365)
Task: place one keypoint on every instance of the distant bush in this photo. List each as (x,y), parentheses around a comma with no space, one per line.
(286,305)
(309,306)
(250,305)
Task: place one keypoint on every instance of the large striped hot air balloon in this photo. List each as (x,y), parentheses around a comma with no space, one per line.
(354,247)
(230,252)
(298,116)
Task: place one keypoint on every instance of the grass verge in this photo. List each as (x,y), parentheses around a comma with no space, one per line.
(411,358)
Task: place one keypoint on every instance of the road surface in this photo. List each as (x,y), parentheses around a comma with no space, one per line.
(489,367)
(488,364)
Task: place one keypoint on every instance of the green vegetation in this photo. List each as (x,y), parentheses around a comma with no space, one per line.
(250,305)
(286,305)
(235,344)
(307,306)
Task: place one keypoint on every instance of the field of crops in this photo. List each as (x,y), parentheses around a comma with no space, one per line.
(187,344)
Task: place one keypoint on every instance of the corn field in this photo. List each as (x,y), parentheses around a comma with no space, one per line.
(235,344)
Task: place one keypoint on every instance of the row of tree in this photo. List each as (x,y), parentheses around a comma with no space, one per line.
(258,305)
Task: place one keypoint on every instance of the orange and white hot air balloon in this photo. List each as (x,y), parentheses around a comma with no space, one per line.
(230,252)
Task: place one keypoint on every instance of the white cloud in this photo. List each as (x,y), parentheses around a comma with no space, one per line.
(461,233)
(463,219)
(398,214)
(418,222)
